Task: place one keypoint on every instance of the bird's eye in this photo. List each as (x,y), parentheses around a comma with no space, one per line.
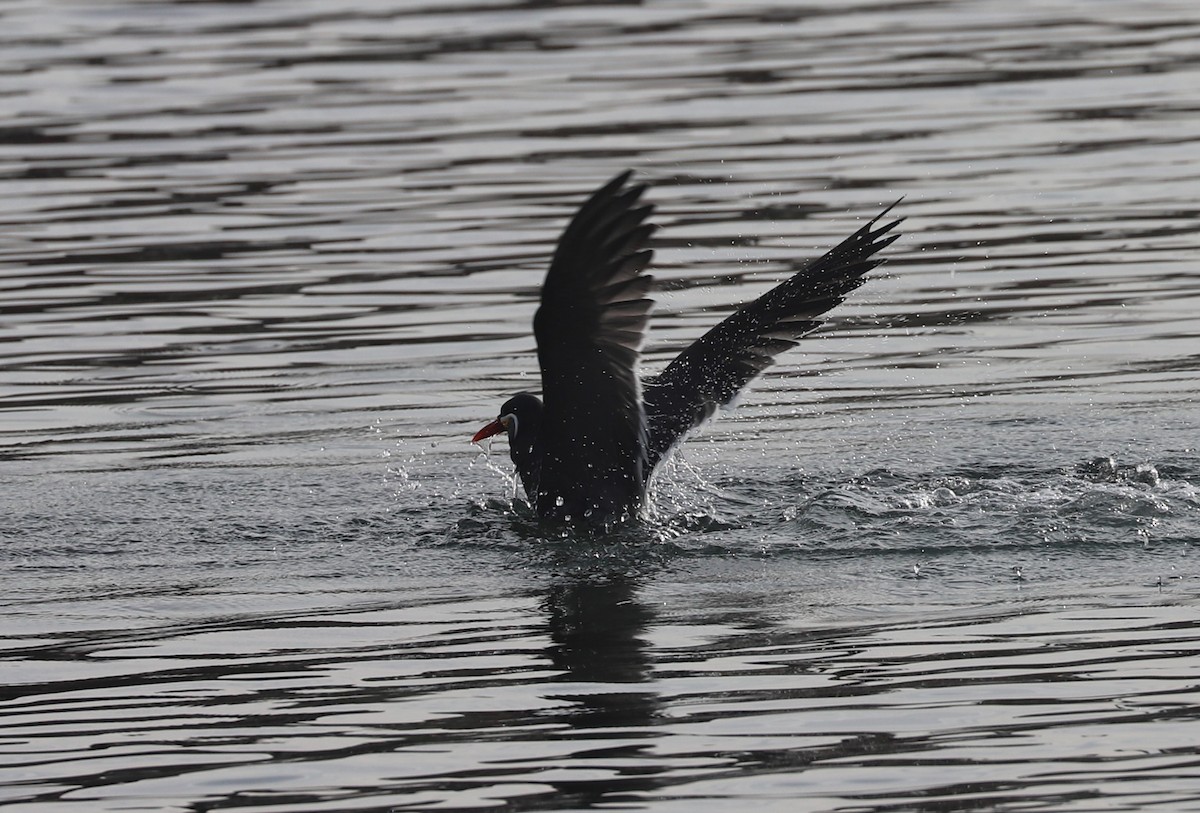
(510,423)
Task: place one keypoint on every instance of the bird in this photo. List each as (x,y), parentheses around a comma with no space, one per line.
(585,451)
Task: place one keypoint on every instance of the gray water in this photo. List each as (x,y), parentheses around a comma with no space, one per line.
(265,267)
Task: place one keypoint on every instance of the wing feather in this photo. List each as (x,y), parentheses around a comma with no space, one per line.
(710,372)
(589,329)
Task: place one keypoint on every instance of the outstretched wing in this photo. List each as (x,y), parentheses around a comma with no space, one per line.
(711,371)
(589,333)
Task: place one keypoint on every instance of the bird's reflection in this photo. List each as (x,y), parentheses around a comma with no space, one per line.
(596,628)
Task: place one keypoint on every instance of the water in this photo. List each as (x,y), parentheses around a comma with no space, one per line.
(267,266)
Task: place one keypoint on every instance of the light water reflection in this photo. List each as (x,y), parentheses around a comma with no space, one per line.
(598,692)
(266,266)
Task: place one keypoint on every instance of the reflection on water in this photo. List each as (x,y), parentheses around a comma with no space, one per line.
(587,695)
(266,266)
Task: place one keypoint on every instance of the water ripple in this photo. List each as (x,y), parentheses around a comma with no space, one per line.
(267,266)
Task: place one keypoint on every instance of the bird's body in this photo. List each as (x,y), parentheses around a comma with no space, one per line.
(586,451)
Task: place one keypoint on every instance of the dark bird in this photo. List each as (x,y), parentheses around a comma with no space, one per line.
(585,452)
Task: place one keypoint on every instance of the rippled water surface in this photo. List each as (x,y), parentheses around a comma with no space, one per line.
(266,266)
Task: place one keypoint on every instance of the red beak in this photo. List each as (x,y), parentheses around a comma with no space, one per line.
(493,428)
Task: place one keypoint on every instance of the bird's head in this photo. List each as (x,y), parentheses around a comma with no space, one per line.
(520,417)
